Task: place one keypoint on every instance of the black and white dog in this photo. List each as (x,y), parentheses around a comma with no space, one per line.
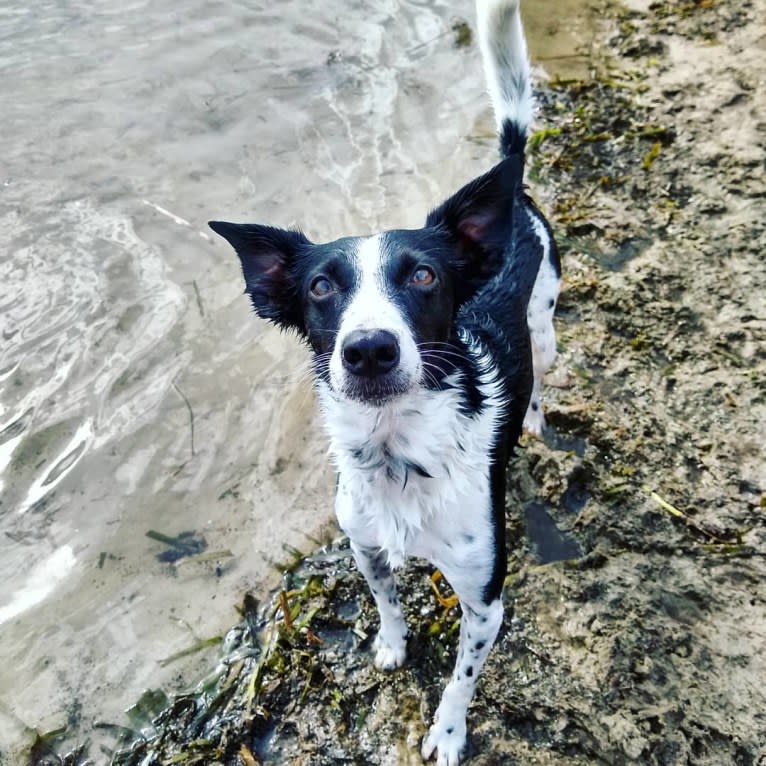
(429,351)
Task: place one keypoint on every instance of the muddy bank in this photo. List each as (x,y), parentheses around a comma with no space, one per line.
(635,629)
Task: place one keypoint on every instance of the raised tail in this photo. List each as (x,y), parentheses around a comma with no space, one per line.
(506,66)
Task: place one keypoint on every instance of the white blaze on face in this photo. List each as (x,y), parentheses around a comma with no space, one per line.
(371,308)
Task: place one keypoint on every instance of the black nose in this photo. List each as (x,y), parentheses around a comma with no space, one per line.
(370,352)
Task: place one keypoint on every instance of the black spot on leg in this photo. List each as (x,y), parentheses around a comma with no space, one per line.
(480,645)
(468,539)
(450,730)
(551,303)
(469,671)
(535,406)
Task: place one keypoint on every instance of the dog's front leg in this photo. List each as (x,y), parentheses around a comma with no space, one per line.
(479,626)
(391,641)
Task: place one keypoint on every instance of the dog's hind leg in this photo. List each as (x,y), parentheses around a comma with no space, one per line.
(543,341)
(391,641)
(542,305)
(479,626)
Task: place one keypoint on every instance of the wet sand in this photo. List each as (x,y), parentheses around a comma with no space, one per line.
(137,392)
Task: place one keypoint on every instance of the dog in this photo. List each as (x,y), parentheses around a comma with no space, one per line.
(429,348)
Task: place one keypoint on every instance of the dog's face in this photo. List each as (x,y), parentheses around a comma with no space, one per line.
(378,311)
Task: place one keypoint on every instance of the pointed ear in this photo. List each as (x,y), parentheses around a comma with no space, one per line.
(268,257)
(478,218)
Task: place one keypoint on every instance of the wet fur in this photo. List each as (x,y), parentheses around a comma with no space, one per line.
(421,447)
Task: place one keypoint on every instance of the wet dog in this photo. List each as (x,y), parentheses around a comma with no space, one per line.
(429,351)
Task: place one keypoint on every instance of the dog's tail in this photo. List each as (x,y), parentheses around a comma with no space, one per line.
(506,66)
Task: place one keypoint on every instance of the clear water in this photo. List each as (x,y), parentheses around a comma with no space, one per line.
(137,392)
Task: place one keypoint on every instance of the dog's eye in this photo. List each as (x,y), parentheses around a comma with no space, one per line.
(321,287)
(422,276)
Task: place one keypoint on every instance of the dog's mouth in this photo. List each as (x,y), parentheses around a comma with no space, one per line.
(376,391)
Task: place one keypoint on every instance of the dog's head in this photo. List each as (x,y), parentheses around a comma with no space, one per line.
(376,309)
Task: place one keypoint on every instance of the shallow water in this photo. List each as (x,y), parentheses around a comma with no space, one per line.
(137,392)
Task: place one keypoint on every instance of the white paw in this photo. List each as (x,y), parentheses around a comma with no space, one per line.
(534,421)
(447,738)
(388,657)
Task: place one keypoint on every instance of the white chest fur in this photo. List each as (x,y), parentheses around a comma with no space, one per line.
(413,474)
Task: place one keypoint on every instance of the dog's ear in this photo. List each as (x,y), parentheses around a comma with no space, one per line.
(268,258)
(478,218)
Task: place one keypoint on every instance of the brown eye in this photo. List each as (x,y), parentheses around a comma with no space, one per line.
(321,287)
(422,276)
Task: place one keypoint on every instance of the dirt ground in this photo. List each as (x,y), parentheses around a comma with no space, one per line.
(635,630)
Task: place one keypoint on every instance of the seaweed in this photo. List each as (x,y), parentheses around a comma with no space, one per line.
(185,544)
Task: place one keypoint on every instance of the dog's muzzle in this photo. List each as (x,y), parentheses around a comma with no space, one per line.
(370,360)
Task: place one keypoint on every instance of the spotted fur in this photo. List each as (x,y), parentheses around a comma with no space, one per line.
(429,350)
(506,66)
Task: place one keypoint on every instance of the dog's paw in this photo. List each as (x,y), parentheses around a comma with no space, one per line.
(534,420)
(446,739)
(388,656)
